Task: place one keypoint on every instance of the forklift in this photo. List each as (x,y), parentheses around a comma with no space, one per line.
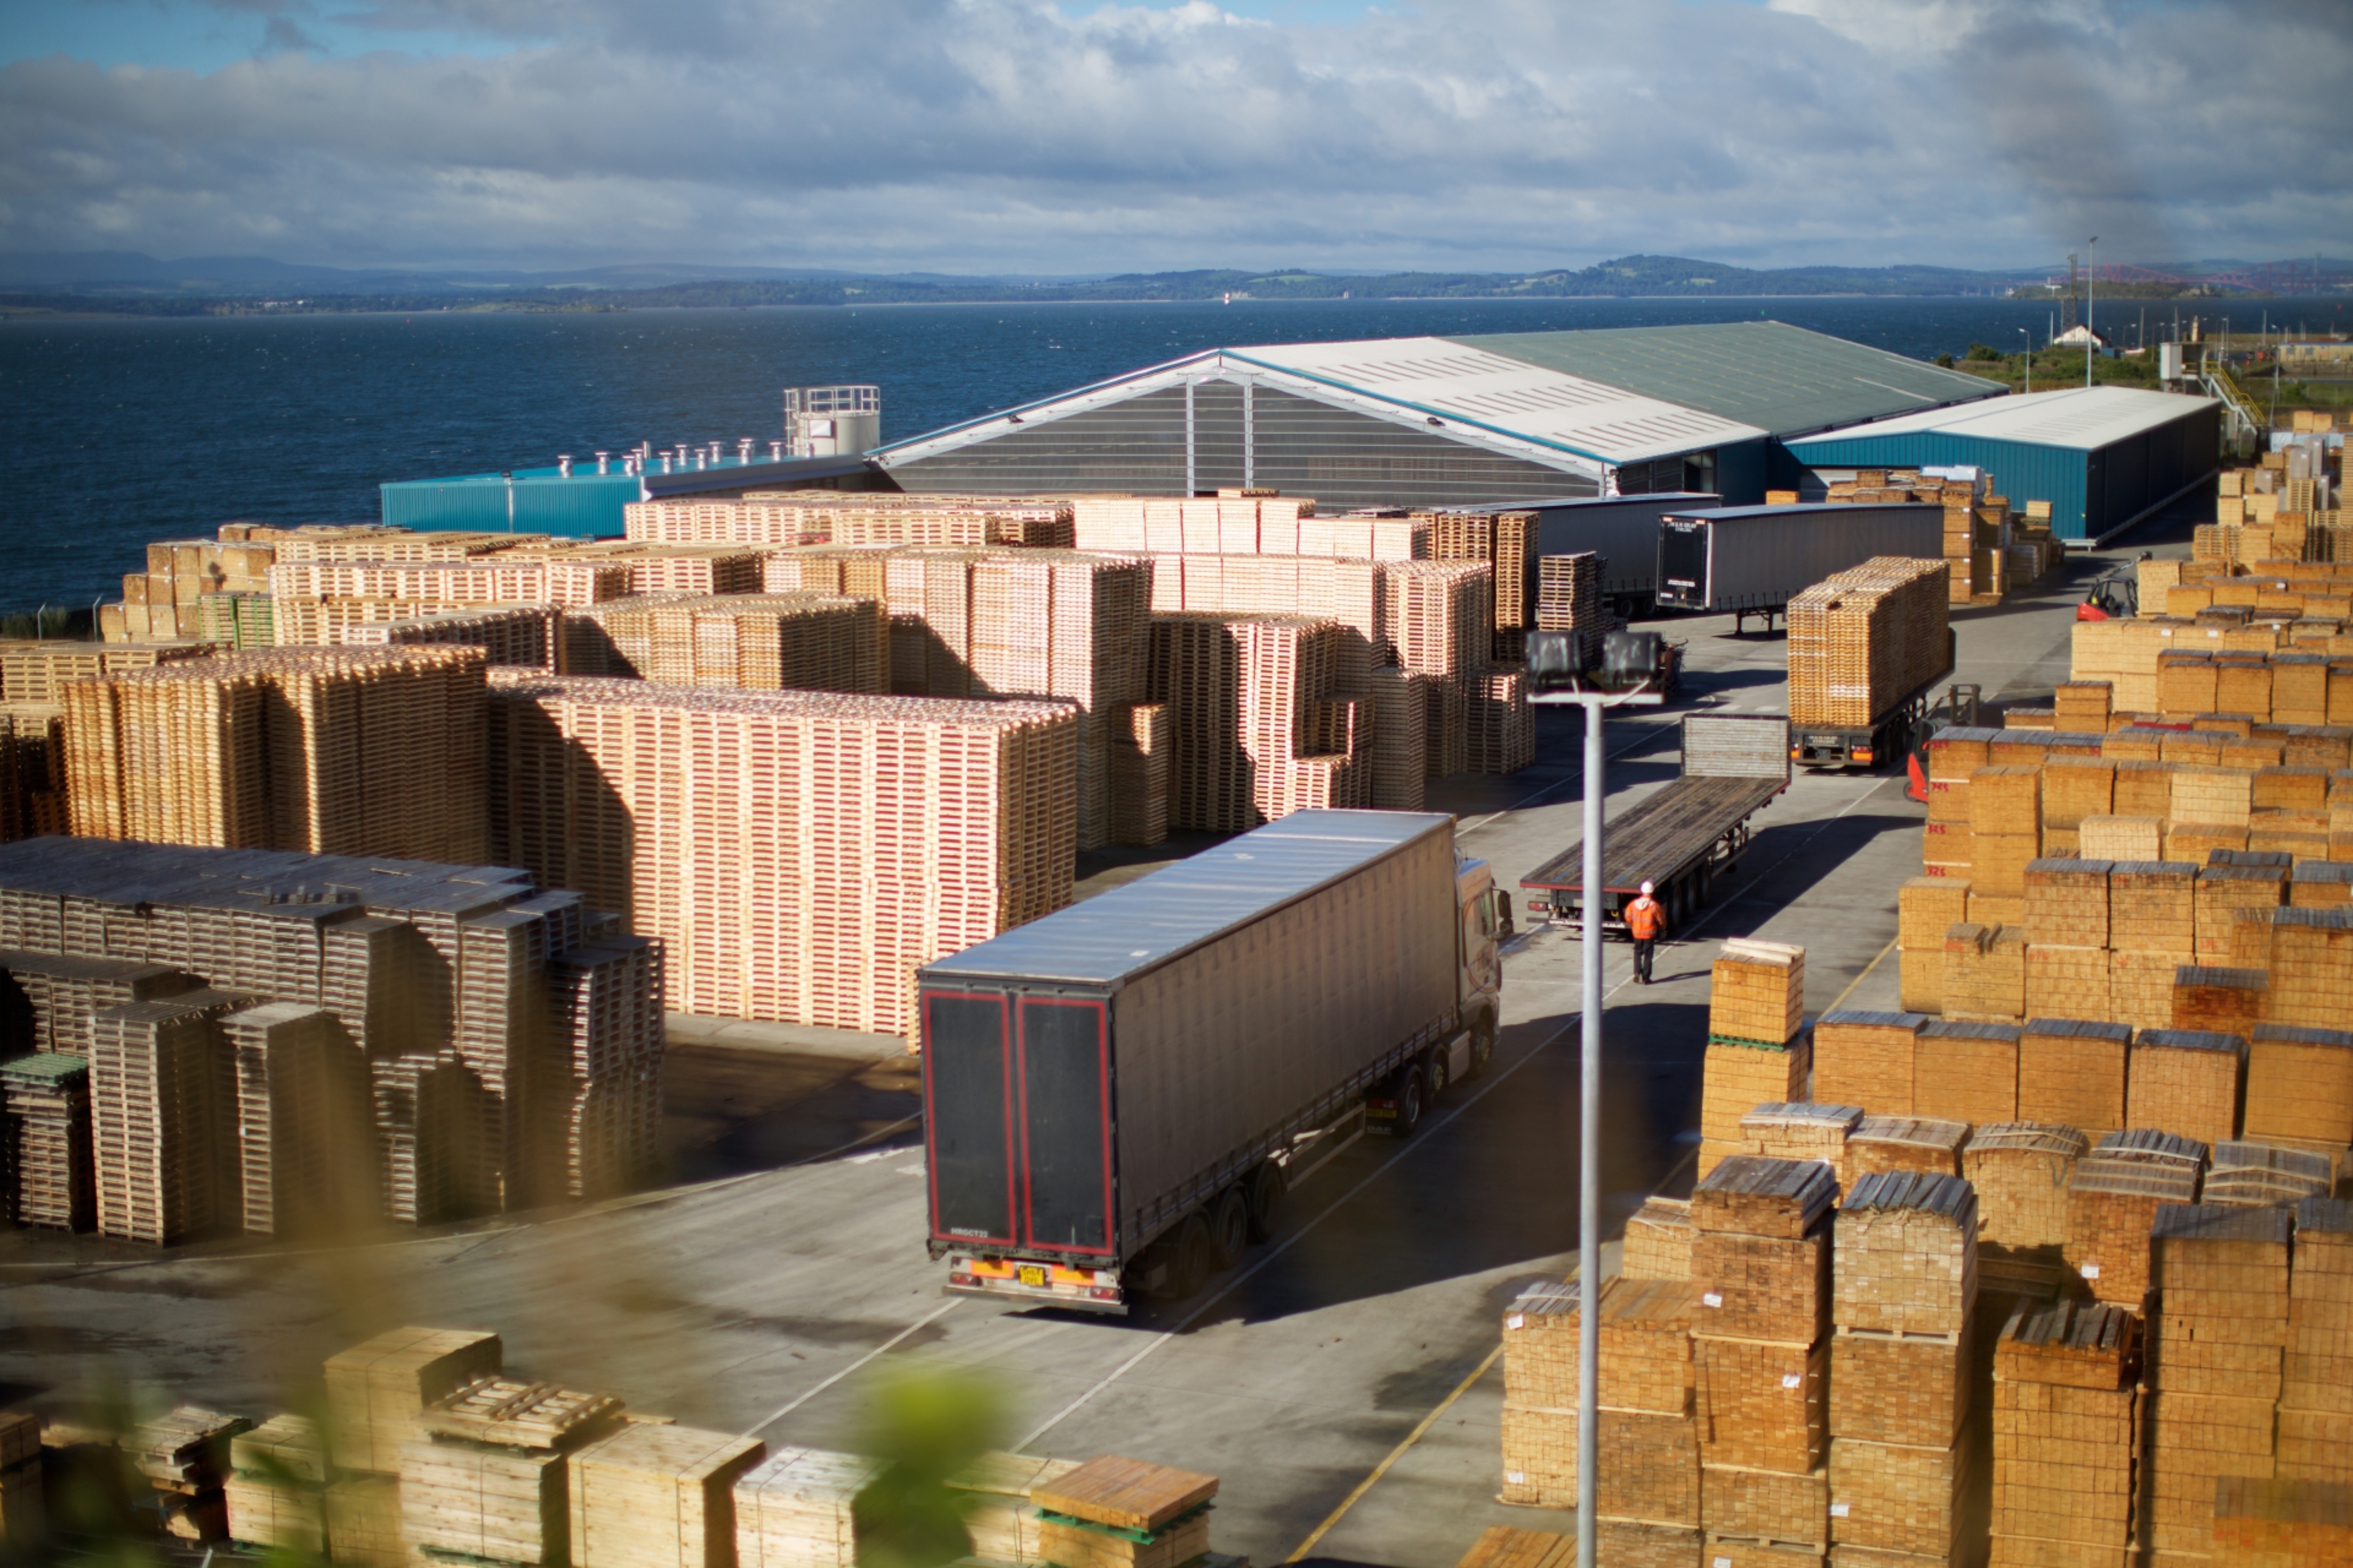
(1963,707)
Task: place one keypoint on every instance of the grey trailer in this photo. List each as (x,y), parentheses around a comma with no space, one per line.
(1623,530)
(1131,1066)
(1753,560)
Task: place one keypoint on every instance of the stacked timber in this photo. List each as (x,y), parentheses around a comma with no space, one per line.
(489,1476)
(1501,1546)
(1116,1512)
(2282,1523)
(1862,640)
(1889,1143)
(1646,1434)
(2300,1087)
(2316,1405)
(1866,1059)
(2066,1435)
(2218,1334)
(1966,1070)
(1658,1241)
(524,635)
(364,1521)
(2247,1174)
(904,828)
(656,1495)
(2072,1073)
(2022,1172)
(1259,722)
(1142,767)
(1757,1049)
(184,1456)
(277,1486)
(32,772)
(795,1508)
(1903,1303)
(1801,1130)
(378,1389)
(2187,1082)
(2005,830)
(1926,907)
(2066,930)
(1569,599)
(325,751)
(1003,1520)
(52,1181)
(2113,1197)
(184,579)
(1760,1266)
(157,1110)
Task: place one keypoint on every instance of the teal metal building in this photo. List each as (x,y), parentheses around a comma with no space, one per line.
(583,503)
(2104,457)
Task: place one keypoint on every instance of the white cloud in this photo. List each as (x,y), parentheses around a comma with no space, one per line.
(1006,134)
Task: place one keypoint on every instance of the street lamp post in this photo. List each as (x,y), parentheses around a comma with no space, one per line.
(1593,699)
(2091,283)
(2028,336)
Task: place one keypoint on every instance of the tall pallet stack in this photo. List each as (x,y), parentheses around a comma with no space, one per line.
(1978,526)
(52,1180)
(329,750)
(1646,1440)
(315,601)
(2072,1073)
(32,773)
(2113,1197)
(2066,1435)
(1926,907)
(1758,1048)
(657,1495)
(1864,640)
(1569,599)
(179,595)
(798,854)
(2218,1329)
(1506,542)
(2187,1082)
(2281,1524)
(2300,1089)
(2022,1172)
(446,991)
(1241,521)
(1762,1270)
(2316,1403)
(488,1476)
(1907,1477)
(1866,1059)
(1257,724)
(524,635)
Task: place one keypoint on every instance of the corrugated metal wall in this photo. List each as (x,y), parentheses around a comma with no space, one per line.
(1271,439)
(582,505)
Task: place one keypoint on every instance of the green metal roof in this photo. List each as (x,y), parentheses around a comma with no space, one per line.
(1781,378)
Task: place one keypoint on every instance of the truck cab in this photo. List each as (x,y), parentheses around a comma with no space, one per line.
(1483,919)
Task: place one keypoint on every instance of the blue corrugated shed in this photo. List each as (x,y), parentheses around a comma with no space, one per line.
(2103,456)
(536,500)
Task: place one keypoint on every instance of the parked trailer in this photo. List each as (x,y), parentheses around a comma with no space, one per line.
(1681,838)
(1116,1096)
(1752,559)
(1623,530)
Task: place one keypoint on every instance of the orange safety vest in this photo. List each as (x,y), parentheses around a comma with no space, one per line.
(1644,918)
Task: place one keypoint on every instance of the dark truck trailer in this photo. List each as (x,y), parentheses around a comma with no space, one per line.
(1113,1094)
(1682,838)
(1623,530)
(1753,560)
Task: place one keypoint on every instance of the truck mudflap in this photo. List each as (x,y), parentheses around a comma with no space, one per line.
(1038,1283)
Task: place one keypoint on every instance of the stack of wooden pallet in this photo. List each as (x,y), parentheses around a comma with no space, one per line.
(2065,1434)
(185,581)
(32,772)
(524,635)
(607,1022)
(2217,1335)
(1895,1143)
(313,602)
(2315,1408)
(1242,521)
(2186,1082)
(1760,1267)
(1647,1441)
(277,1486)
(488,1476)
(184,1456)
(1115,1512)
(1657,1244)
(1758,1048)
(2022,1171)
(35,671)
(1902,1467)
(2282,1523)
(1569,599)
(911,828)
(300,1116)
(656,1495)
(2066,931)
(1866,638)
(1926,907)
(51,1181)
(2113,1197)
(996,1491)
(1506,543)
(2259,1175)
(1966,1070)
(1258,723)
(165,1175)
(2300,1087)
(1866,1059)
(24,1517)
(377,1389)
(1985,972)
(2072,1073)
(330,751)
(794,1510)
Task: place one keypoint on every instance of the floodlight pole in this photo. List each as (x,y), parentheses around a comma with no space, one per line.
(1588,1107)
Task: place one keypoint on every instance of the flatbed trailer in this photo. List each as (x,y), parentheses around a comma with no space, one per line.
(1682,838)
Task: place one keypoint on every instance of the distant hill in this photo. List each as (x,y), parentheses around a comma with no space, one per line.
(129,282)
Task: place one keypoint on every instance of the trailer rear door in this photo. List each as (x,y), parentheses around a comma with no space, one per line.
(1065,1071)
(969,1124)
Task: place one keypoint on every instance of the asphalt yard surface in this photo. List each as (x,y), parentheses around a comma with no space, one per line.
(1339,1380)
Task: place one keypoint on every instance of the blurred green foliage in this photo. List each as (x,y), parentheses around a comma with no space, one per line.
(926,1423)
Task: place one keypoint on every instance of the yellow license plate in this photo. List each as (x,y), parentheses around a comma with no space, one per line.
(1032,1274)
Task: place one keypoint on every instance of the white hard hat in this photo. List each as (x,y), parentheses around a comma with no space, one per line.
(1646,890)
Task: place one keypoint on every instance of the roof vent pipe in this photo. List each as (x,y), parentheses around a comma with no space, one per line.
(665,462)
(776,451)
(743,451)
(563,467)
(604,462)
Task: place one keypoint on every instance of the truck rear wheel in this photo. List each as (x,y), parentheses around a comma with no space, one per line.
(1189,1261)
(1265,1185)
(1229,1229)
(1411,1099)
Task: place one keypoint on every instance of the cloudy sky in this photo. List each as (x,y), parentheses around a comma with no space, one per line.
(1026,135)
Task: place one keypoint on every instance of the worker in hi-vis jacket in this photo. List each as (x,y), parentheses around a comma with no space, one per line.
(1645,921)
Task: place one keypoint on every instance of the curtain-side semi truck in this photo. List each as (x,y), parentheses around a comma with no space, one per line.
(1116,1096)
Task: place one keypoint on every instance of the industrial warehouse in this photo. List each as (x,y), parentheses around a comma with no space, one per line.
(1147,775)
